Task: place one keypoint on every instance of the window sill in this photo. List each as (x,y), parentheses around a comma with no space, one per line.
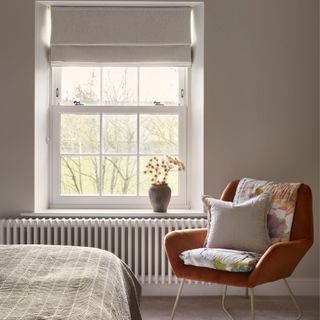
(113,213)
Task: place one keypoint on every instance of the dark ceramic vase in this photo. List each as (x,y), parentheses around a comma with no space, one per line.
(159,195)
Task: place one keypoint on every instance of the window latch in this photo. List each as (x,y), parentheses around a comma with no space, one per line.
(57,92)
(158,103)
(182,93)
(77,103)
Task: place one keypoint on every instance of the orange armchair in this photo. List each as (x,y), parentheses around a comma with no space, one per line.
(286,254)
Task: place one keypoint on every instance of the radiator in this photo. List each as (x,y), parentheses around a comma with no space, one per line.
(137,241)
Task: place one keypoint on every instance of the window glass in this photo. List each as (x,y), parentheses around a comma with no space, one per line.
(159,134)
(120,86)
(119,133)
(80,84)
(79,133)
(159,85)
(79,175)
(119,175)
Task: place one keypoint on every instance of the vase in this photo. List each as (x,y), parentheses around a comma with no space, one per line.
(159,195)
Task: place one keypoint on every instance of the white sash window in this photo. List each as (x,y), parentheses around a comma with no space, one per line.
(119,96)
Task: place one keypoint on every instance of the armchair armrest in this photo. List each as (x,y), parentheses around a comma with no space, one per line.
(279,261)
(178,241)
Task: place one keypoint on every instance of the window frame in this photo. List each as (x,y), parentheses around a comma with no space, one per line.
(117,201)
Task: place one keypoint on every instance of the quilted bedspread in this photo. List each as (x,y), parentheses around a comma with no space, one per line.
(64,282)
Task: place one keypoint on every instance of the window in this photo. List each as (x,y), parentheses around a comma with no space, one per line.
(107,121)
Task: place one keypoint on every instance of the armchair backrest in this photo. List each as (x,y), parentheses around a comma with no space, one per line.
(302,225)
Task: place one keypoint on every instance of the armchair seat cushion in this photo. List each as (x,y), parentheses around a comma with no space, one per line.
(221,259)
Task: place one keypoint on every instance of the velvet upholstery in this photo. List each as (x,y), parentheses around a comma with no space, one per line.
(278,262)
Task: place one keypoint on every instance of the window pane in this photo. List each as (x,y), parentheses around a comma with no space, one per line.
(79,133)
(145,182)
(159,134)
(120,86)
(159,84)
(119,133)
(80,83)
(119,175)
(80,175)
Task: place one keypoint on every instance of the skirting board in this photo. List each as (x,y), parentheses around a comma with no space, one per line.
(300,287)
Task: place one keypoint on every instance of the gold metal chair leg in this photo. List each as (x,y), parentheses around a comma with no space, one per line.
(177,299)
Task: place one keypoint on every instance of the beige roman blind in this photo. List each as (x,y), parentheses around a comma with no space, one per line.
(121,35)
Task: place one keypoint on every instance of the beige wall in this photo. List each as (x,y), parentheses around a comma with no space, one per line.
(260,95)
(261,109)
(16,106)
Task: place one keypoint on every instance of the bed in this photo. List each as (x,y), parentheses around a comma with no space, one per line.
(64,282)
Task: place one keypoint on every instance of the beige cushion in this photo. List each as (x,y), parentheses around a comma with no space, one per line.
(239,226)
(207,203)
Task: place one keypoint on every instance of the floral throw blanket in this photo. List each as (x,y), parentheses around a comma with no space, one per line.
(284,196)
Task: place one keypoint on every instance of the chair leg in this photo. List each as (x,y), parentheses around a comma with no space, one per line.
(223,303)
(293,300)
(226,310)
(177,300)
(252,304)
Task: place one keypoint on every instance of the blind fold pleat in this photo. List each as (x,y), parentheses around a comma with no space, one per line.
(121,34)
(121,54)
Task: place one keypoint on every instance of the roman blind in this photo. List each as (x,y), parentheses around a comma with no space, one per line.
(121,34)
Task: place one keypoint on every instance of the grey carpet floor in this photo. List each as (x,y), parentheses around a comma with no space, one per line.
(205,308)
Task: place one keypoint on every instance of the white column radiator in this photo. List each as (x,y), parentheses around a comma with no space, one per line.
(137,241)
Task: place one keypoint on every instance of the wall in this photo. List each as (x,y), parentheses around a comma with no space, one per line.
(261,110)
(17,106)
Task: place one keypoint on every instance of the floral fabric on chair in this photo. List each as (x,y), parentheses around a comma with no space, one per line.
(284,196)
(221,259)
